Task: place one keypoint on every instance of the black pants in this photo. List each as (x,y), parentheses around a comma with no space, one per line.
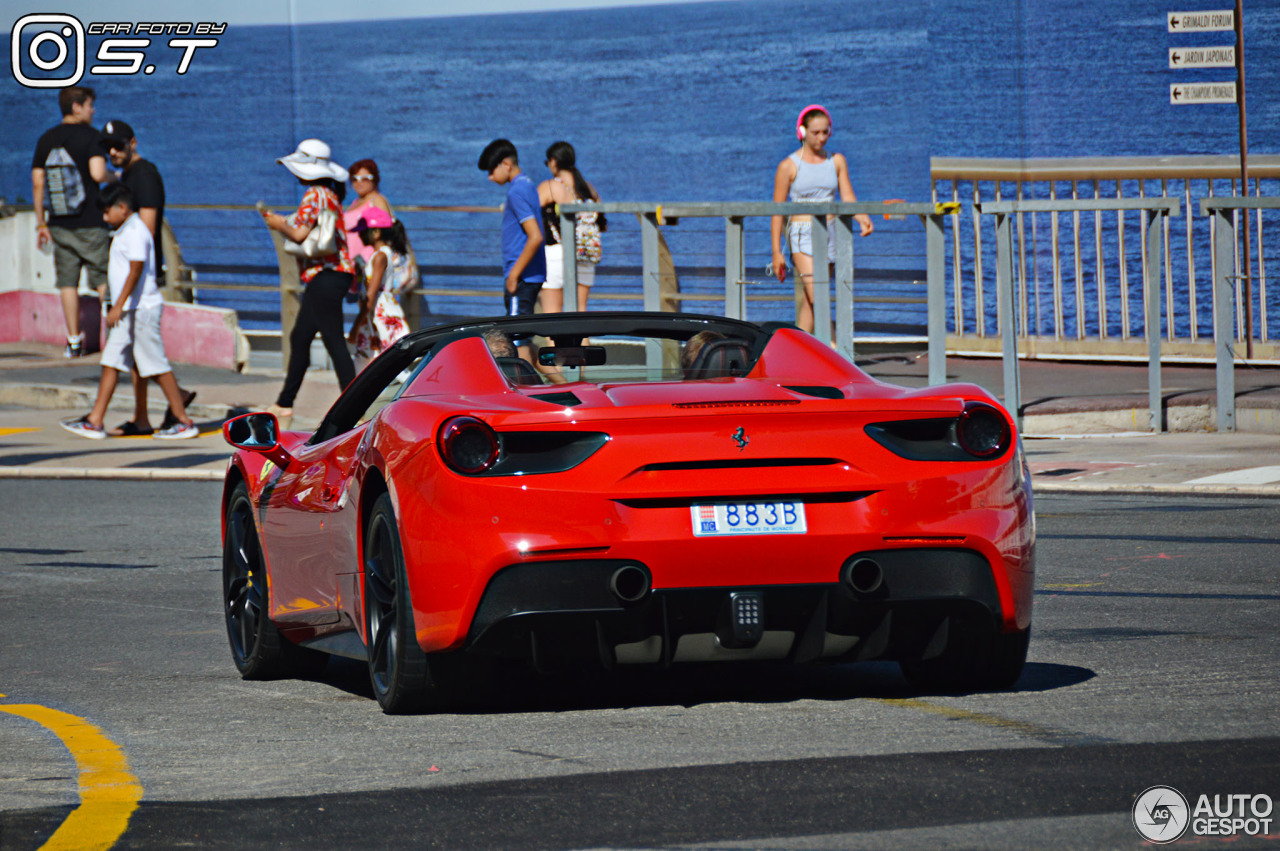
(321,312)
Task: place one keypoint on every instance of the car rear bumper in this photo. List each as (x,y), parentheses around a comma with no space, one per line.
(897,604)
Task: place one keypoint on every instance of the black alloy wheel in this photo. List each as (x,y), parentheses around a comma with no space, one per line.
(398,667)
(258,649)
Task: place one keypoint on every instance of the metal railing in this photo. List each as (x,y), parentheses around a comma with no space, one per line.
(1154,212)
(653,216)
(1082,301)
(1223,211)
(465,280)
(458,257)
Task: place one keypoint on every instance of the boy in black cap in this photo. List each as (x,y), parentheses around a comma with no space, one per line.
(144,182)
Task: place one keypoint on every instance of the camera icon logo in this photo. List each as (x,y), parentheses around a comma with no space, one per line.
(1161,814)
(65,32)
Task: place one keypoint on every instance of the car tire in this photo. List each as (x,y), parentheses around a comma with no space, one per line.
(975,659)
(258,649)
(398,667)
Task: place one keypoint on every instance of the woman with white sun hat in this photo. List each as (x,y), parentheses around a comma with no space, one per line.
(326,277)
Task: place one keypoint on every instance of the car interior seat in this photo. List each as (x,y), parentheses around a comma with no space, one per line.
(519,371)
(719,359)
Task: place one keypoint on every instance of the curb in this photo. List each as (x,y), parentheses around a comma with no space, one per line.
(49,397)
(1178,419)
(1157,489)
(116,473)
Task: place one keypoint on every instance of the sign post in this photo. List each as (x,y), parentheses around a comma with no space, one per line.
(1220,20)
(1244,181)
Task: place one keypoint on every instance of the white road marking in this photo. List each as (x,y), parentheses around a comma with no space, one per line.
(1248,476)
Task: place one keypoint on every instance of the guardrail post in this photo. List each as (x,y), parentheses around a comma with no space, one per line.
(1006,312)
(1224,333)
(568,239)
(1151,220)
(178,282)
(290,290)
(735,295)
(650,280)
(821,281)
(844,285)
(936,278)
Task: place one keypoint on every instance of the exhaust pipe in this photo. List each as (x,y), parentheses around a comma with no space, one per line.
(863,575)
(630,584)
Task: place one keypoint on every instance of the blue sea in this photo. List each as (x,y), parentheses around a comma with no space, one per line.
(692,102)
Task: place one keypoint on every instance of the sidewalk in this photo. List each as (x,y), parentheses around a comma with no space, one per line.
(1084,424)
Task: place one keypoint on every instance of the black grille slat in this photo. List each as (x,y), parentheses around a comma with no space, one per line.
(737,464)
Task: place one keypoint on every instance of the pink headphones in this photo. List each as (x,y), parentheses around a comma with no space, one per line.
(800,118)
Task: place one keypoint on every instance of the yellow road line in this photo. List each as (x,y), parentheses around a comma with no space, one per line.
(109,792)
(5,432)
(1027,729)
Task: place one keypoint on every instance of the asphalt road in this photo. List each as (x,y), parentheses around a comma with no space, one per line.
(1154,660)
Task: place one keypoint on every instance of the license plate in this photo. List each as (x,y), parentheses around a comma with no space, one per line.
(748,518)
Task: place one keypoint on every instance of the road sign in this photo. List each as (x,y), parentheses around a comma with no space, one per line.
(1180,93)
(1203,57)
(1202,22)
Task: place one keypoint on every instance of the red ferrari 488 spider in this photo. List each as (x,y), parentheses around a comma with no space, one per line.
(659,489)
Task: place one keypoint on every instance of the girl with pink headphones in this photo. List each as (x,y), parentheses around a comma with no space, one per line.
(809,174)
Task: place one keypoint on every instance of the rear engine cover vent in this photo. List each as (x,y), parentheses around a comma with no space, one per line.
(819,391)
(739,403)
(566,399)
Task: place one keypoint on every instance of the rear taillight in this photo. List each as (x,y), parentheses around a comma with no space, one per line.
(982,431)
(468,445)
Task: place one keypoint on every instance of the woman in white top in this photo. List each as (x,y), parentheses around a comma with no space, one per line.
(567,186)
(809,174)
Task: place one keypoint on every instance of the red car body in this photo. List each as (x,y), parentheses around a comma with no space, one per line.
(912,548)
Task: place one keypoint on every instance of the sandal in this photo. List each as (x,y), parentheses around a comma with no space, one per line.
(130,429)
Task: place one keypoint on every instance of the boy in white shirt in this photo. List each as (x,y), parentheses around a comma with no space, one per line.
(134,320)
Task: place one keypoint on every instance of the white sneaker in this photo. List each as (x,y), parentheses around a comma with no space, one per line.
(84,428)
(178,431)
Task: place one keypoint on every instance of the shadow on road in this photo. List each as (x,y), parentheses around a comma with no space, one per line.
(506,689)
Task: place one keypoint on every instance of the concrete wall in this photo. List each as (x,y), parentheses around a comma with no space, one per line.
(30,309)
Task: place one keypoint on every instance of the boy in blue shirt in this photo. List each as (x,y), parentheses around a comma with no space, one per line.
(523,263)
